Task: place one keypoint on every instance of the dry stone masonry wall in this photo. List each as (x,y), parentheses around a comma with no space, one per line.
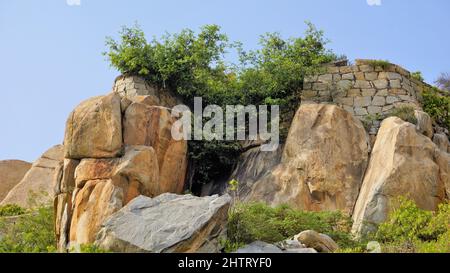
(369,92)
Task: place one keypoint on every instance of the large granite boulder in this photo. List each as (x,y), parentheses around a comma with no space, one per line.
(318,241)
(94,129)
(403,163)
(11,173)
(37,184)
(166,223)
(323,162)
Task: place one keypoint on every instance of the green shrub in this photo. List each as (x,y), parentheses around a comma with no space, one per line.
(250,222)
(417,76)
(383,64)
(88,248)
(410,229)
(194,65)
(33,232)
(11,210)
(437,106)
(406,113)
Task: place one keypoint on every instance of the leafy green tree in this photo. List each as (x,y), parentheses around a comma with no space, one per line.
(194,65)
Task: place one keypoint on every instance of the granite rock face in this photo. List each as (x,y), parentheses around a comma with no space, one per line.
(323,162)
(166,223)
(38,181)
(94,129)
(11,173)
(403,163)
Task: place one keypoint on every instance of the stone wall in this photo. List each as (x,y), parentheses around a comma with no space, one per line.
(131,86)
(366,91)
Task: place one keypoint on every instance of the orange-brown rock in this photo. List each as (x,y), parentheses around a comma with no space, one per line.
(323,162)
(105,185)
(94,129)
(11,172)
(403,163)
(38,183)
(138,166)
(93,204)
(151,126)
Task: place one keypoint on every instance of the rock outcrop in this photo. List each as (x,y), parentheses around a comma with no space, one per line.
(11,173)
(403,163)
(117,147)
(166,223)
(441,140)
(151,126)
(135,88)
(323,162)
(39,180)
(105,185)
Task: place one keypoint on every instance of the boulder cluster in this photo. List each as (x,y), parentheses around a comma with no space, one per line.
(116,148)
(117,180)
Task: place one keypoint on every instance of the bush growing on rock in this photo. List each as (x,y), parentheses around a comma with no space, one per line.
(406,113)
(194,65)
(249,222)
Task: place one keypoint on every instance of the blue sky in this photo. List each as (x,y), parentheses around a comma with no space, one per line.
(50,51)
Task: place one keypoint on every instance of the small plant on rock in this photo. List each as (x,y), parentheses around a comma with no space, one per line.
(405,113)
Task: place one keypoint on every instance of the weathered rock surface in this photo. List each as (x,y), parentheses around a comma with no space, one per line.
(39,180)
(403,163)
(138,168)
(424,123)
(105,185)
(93,204)
(318,241)
(94,129)
(166,223)
(323,163)
(151,126)
(441,140)
(11,173)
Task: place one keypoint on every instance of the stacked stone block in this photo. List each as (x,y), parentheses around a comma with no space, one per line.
(368,92)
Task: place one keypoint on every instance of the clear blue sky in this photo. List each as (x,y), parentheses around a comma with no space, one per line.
(50,52)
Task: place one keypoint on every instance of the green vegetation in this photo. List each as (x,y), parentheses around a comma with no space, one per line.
(370,119)
(406,113)
(437,105)
(194,65)
(32,232)
(257,221)
(11,210)
(383,64)
(417,76)
(88,248)
(410,229)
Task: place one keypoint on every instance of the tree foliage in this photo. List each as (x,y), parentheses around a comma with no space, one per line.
(438,106)
(195,65)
